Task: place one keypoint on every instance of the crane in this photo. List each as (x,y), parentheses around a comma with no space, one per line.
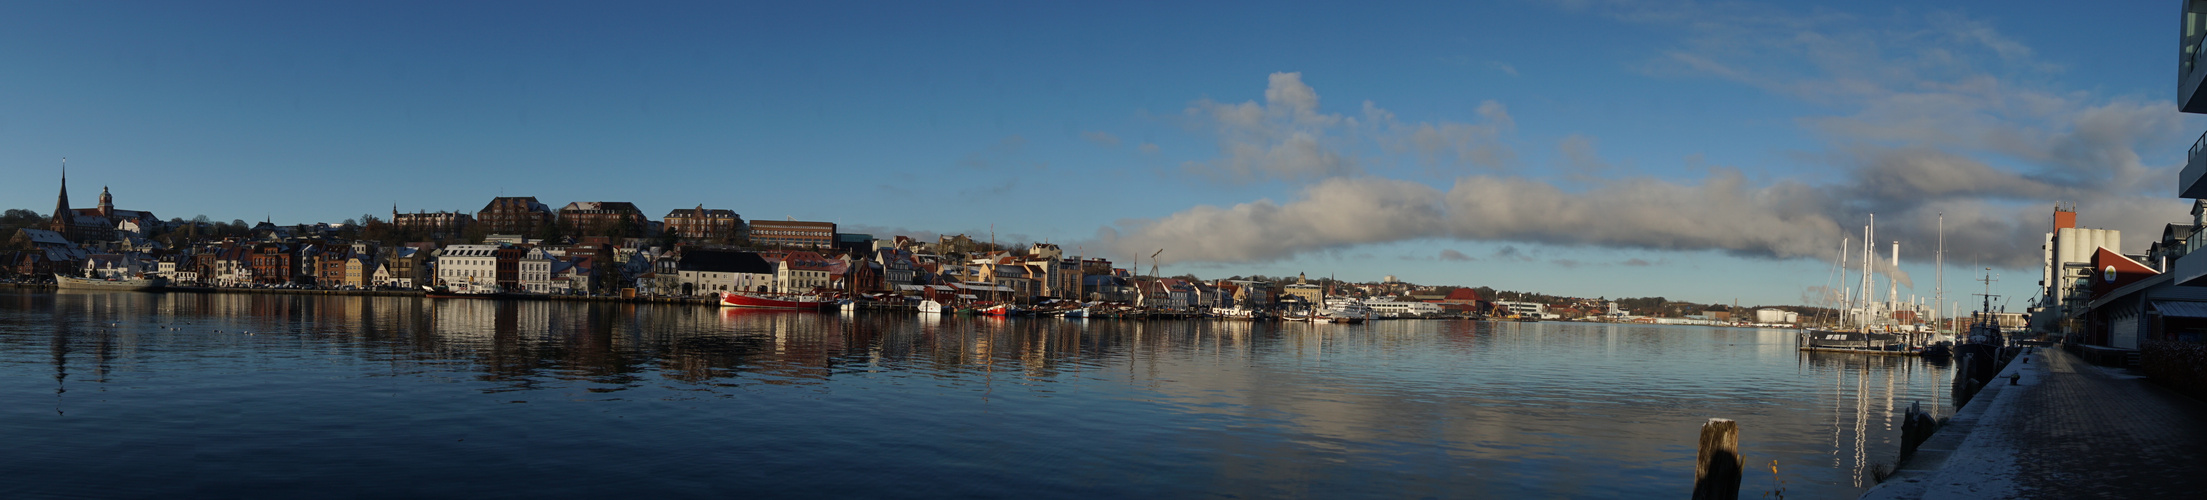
(1153,263)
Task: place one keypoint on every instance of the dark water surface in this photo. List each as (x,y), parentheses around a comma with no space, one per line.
(110,394)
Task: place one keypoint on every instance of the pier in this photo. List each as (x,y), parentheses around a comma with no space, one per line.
(2052,425)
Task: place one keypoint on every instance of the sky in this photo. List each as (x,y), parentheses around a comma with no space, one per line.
(1702,151)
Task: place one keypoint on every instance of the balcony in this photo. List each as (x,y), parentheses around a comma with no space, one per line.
(2189,270)
(2191,65)
(2188,183)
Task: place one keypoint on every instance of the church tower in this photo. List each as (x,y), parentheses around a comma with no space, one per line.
(61,205)
(107,203)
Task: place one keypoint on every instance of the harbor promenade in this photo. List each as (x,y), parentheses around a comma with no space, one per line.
(2065,429)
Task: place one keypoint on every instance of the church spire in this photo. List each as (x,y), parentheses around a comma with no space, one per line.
(61,205)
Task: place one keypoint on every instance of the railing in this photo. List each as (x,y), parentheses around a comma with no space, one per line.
(2195,169)
(2197,145)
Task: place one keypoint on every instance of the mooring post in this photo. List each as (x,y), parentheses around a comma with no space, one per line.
(1717,473)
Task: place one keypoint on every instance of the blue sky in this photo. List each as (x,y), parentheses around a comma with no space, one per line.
(1700,151)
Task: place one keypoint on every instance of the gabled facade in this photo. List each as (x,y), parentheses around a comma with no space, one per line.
(802,272)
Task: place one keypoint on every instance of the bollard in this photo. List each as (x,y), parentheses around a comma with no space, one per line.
(1718,468)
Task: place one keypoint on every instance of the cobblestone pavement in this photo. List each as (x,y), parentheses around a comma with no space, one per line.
(2094,432)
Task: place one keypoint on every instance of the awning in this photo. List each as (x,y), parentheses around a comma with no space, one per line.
(2176,309)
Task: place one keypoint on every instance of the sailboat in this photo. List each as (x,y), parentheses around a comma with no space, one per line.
(1858,331)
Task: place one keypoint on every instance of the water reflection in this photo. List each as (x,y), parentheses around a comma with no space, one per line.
(1095,407)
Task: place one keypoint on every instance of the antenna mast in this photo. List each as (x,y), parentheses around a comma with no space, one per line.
(1939,294)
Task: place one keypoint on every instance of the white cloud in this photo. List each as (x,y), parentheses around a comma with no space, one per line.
(1288,137)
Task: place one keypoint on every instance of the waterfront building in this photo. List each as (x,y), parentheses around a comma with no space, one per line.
(793,234)
(1531,309)
(514,215)
(533,271)
(1462,300)
(273,264)
(406,268)
(1392,308)
(801,272)
(360,271)
(233,266)
(705,225)
(570,275)
(468,268)
(715,271)
(603,218)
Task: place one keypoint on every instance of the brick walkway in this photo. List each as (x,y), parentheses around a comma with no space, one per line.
(2070,430)
(2094,432)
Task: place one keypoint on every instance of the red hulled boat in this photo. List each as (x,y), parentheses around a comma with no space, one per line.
(783,302)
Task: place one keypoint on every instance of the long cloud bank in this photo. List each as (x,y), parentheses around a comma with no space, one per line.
(1933,123)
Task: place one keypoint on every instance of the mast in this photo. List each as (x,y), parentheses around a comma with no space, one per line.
(1867,256)
(1846,297)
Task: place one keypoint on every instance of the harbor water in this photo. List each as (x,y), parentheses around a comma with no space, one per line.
(128,394)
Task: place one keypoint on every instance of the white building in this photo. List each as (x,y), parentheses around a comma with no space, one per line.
(469,268)
(702,272)
(1533,309)
(1398,309)
(534,271)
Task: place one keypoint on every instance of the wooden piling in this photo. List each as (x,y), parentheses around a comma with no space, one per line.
(1717,472)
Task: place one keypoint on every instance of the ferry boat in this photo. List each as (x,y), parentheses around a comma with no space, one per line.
(118,284)
(782,302)
(1345,311)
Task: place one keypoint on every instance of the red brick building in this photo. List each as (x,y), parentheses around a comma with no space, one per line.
(603,218)
(702,224)
(515,215)
(273,264)
(796,234)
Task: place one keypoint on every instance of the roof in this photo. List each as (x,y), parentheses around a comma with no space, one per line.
(608,206)
(709,213)
(723,261)
(44,237)
(526,201)
(2179,309)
